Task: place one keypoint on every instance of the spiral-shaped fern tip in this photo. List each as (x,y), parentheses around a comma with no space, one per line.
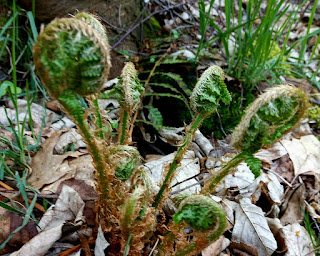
(71,56)
(125,160)
(202,214)
(271,115)
(209,90)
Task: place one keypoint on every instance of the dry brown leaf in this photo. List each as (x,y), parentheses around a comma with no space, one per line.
(46,167)
(216,247)
(251,229)
(9,221)
(293,205)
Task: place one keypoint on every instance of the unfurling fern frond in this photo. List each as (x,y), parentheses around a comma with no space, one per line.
(124,159)
(71,56)
(209,90)
(271,115)
(204,99)
(206,219)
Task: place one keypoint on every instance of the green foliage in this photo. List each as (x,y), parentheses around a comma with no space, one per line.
(253,163)
(74,59)
(5,86)
(257,55)
(208,91)
(155,117)
(191,213)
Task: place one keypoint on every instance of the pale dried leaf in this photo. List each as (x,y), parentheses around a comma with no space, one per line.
(240,180)
(65,122)
(69,207)
(251,228)
(297,240)
(188,168)
(101,243)
(293,205)
(304,153)
(274,152)
(70,137)
(40,244)
(215,248)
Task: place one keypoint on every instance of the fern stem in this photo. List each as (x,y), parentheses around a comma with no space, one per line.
(213,182)
(123,127)
(98,118)
(70,104)
(178,157)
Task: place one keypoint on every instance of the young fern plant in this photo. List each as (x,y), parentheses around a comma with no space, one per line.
(72,59)
(128,92)
(200,213)
(269,117)
(209,90)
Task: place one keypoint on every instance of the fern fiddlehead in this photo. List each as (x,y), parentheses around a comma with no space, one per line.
(72,58)
(270,116)
(209,90)
(128,92)
(95,23)
(206,219)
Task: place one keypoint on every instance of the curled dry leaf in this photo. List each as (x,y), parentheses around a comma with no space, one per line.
(101,243)
(69,207)
(48,167)
(216,247)
(252,231)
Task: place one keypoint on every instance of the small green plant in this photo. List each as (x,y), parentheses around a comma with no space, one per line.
(72,60)
(271,115)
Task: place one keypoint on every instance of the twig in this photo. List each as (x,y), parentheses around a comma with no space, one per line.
(311,252)
(283,179)
(144,20)
(10,189)
(109,24)
(145,87)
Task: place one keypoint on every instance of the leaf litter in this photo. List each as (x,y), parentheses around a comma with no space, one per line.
(264,214)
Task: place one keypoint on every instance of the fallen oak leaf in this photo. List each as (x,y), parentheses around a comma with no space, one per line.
(46,166)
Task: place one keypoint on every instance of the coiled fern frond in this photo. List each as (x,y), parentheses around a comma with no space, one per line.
(206,219)
(209,90)
(128,93)
(270,116)
(205,97)
(71,56)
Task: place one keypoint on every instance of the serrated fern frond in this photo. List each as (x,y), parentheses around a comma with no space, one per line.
(209,90)
(270,116)
(71,56)
(206,219)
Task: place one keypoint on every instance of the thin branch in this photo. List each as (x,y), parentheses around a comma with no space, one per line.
(144,20)
(145,87)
